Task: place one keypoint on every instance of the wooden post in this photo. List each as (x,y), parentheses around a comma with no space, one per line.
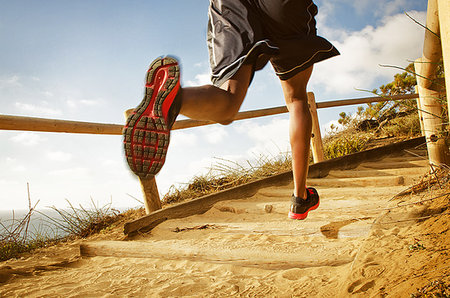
(432,52)
(444,21)
(316,138)
(152,201)
(438,152)
(419,110)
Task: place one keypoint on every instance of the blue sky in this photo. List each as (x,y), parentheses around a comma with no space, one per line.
(86,60)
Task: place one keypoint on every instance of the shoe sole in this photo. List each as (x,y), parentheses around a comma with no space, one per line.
(146,132)
(293,215)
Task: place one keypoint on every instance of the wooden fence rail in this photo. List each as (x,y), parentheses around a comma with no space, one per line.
(9,122)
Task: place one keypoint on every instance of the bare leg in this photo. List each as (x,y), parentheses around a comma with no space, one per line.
(217,104)
(300,125)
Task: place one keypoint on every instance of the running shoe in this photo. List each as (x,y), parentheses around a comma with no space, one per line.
(147,130)
(300,207)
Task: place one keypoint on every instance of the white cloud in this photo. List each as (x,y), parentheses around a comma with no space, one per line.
(36,110)
(12,81)
(27,138)
(73,103)
(59,156)
(391,7)
(8,183)
(10,160)
(395,41)
(270,139)
(19,168)
(200,80)
(14,165)
(181,139)
(214,134)
(47,93)
(325,129)
(111,163)
(201,64)
(88,102)
(71,172)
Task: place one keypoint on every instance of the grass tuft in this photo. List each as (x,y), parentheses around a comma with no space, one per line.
(16,239)
(226,174)
(345,144)
(83,222)
(15,235)
(435,288)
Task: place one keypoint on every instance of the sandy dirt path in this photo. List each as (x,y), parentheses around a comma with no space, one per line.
(249,248)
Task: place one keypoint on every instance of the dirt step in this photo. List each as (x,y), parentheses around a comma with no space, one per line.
(386,164)
(362,182)
(416,171)
(247,251)
(407,157)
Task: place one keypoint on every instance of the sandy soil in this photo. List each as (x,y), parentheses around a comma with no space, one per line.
(358,243)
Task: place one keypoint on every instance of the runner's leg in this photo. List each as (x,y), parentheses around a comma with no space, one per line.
(217,104)
(300,125)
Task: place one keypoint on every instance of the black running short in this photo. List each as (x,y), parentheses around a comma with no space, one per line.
(256,31)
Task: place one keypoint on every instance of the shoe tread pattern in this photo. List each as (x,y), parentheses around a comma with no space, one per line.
(146,134)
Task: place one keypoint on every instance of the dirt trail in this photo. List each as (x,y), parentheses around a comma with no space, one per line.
(351,245)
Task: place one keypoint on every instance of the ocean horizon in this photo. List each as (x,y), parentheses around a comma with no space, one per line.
(43,222)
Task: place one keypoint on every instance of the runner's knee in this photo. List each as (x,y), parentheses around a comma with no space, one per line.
(234,103)
(294,89)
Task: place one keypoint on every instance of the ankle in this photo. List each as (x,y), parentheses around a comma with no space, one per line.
(303,195)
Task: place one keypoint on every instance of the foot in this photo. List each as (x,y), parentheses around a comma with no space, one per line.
(300,207)
(147,130)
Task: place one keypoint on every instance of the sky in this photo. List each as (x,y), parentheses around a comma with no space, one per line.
(86,60)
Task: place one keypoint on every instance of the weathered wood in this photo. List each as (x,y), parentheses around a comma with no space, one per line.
(432,52)
(419,111)
(444,21)
(152,201)
(10,122)
(235,256)
(149,188)
(431,108)
(316,137)
(363,100)
(321,169)
(239,116)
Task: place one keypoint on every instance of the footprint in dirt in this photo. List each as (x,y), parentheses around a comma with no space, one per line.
(354,288)
(331,230)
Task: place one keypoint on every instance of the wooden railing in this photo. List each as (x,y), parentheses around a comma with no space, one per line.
(10,122)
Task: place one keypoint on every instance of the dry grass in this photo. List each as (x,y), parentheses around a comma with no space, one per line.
(437,177)
(83,222)
(16,238)
(344,143)
(15,235)
(226,174)
(436,288)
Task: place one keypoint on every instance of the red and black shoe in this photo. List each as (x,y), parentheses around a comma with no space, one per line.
(300,207)
(147,131)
